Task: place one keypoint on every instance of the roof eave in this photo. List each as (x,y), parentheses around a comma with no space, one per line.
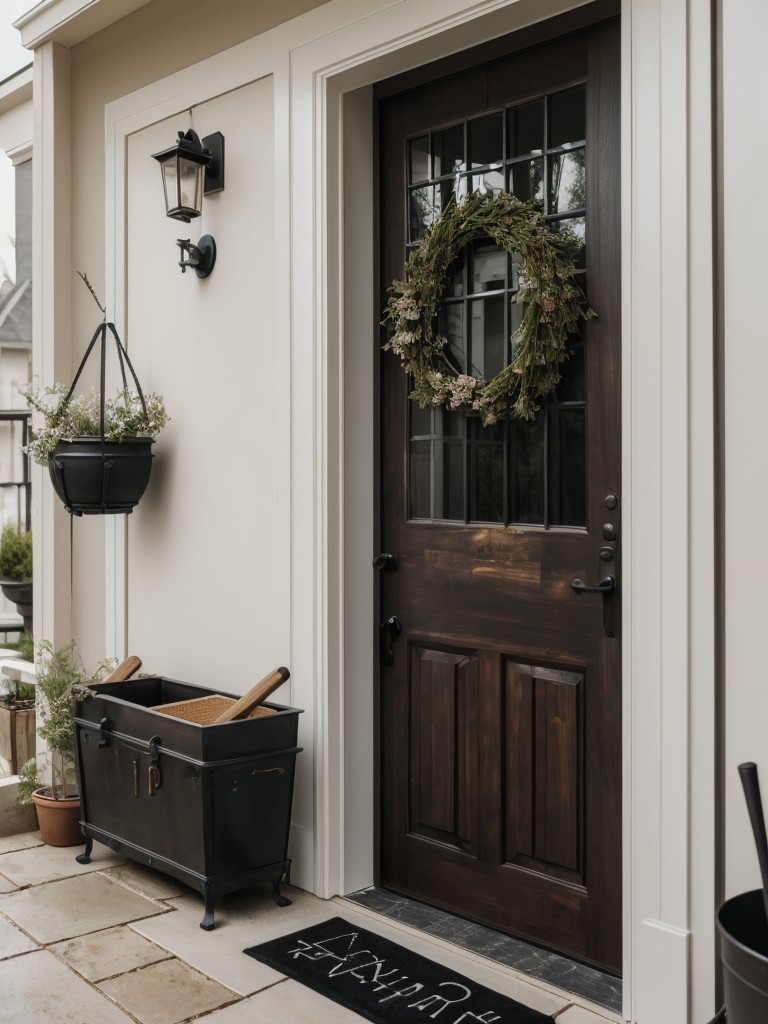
(69,22)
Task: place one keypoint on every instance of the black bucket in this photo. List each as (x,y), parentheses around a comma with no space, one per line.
(744,952)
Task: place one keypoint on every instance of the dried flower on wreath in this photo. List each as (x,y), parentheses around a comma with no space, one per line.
(554,306)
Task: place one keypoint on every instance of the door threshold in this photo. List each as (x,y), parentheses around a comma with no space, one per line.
(578,979)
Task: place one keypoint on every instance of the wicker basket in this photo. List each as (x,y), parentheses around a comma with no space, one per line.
(205,710)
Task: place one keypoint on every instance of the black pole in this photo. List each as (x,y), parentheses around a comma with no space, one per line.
(749,781)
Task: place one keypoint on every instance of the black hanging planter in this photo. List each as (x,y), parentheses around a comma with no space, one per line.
(97,475)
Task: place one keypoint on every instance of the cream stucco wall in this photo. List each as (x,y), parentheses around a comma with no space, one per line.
(151,43)
(206,545)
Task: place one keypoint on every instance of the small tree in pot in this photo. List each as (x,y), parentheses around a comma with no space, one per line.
(59,684)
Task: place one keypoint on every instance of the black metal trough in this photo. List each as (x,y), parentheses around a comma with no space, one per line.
(209,805)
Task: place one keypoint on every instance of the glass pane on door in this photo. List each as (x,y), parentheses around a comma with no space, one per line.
(527,473)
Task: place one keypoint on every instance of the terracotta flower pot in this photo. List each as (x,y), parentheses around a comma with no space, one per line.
(59,820)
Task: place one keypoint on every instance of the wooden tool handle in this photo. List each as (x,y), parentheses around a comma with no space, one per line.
(254,697)
(124,670)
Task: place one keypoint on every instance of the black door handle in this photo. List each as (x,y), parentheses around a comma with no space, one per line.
(385,562)
(389,631)
(607,585)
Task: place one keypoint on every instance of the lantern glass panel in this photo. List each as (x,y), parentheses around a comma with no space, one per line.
(191,175)
(183,183)
(169,184)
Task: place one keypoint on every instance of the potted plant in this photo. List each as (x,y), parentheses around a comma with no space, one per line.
(28,781)
(16,570)
(98,451)
(59,684)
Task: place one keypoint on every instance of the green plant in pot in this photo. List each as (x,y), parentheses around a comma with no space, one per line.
(127,415)
(59,684)
(28,781)
(16,570)
(98,449)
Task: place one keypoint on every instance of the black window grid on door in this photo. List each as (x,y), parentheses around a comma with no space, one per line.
(516,472)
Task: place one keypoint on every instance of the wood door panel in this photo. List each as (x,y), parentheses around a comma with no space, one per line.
(503,619)
(485,892)
(458,740)
(500,727)
(443,745)
(545,824)
(531,558)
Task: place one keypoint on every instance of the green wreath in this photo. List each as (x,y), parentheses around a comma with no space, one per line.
(554,307)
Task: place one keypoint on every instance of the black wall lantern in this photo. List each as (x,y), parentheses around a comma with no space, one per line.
(192,169)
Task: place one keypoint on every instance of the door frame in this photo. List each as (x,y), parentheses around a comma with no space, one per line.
(323,65)
(669,776)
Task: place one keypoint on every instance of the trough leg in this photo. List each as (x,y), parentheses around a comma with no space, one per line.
(85,856)
(210,902)
(277,896)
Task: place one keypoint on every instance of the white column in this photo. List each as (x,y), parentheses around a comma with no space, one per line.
(669,576)
(51,334)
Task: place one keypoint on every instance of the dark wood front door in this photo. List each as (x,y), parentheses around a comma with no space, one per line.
(500,763)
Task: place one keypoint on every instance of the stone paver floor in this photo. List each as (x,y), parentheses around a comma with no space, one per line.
(115,943)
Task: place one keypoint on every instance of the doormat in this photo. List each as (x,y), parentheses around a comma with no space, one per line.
(385,982)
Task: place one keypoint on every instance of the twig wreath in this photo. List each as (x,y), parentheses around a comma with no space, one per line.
(554,307)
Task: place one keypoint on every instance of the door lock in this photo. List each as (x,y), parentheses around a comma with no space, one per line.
(389,631)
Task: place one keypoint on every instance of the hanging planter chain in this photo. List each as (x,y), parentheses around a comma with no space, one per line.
(123,360)
(139,463)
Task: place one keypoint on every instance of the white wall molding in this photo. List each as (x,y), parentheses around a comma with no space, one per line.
(16,89)
(662,953)
(19,154)
(669,581)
